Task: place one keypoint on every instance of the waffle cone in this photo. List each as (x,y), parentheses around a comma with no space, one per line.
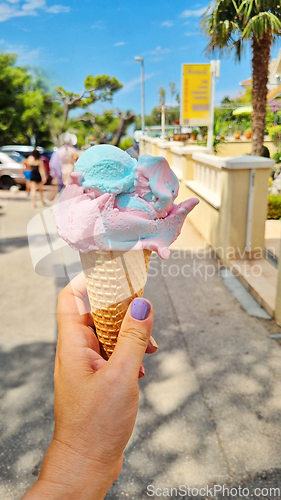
(113,280)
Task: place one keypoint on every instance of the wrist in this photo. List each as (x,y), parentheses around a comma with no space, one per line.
(67,475)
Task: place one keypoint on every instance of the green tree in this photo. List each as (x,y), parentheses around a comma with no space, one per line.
(99,127)
(228,25)
(96,88)
(13,83)
(26,106)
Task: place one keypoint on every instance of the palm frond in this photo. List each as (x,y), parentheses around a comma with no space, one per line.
(264,22)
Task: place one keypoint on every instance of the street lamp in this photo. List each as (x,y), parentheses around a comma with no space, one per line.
(141,60)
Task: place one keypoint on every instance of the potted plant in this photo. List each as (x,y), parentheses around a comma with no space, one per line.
(194,134)
(248,133)
(237,134)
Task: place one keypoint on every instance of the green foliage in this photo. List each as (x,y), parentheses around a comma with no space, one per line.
(126,143)
(277,156)
(228,23)
(274,206)
(172,114)
(275,133)
(28,109)
(161,94)
(25,104)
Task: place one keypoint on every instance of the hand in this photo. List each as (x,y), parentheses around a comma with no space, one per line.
(96,401)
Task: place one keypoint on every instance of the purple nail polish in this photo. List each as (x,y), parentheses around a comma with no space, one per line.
(140,309)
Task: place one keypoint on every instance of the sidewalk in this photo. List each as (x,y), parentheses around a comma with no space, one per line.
(210,410)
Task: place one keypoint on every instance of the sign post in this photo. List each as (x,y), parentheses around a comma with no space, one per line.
(198,96)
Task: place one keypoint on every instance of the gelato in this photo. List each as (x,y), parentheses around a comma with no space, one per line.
(115,203)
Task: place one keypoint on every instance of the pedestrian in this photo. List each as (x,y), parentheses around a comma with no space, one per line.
(63,159)
(37,177)
(96,401)
(26,171)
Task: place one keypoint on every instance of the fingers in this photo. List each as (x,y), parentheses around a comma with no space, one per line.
(133,337)
(73,318)
(152,346)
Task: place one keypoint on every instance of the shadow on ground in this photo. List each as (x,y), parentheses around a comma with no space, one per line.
(209,404)
(26,425)
(9,244)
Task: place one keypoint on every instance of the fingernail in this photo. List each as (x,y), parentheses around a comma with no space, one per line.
(140,309)
(153,342)
(142,371)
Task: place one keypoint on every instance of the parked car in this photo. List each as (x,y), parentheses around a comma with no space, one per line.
(16,157)
(25,151)
(10,172)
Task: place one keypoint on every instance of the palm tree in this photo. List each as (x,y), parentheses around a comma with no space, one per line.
(229,24)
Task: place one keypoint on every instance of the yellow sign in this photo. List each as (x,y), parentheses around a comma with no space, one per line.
(196,94)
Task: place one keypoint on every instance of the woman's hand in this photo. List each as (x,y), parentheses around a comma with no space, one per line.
(96,401)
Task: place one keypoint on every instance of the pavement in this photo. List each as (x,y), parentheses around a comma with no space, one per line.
(210,403)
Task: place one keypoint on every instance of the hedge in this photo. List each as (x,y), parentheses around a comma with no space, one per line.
(274,206)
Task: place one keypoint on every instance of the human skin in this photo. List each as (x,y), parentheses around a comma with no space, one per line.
(96,402)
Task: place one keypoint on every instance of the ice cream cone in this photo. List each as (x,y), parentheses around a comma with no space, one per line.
(113,280)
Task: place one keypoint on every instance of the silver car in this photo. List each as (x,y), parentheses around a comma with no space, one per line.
(10,172)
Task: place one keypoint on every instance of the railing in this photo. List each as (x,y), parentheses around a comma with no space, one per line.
(207,178)
(182,160)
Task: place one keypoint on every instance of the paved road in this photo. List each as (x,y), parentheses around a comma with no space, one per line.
(210,404)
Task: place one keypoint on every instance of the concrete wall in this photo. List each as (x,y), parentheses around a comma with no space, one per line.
(240,147)
(205,218)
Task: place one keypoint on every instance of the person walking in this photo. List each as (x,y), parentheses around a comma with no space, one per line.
(26,172)
(63,159)
(37,177)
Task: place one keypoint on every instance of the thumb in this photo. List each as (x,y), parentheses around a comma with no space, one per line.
(133,337)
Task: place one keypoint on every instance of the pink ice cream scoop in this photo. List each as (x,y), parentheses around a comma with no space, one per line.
(114,202)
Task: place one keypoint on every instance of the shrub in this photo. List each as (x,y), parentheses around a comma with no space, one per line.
(275,133)
(277,156)
(274,206)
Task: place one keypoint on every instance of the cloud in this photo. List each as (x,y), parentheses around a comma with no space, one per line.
(194,12)
(57,9)
(33,5)
(99,25)
(25,55)
(119,44)
(20,8)
(131,84)
(167,24)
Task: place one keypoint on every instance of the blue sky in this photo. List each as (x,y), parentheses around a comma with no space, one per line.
(71,39)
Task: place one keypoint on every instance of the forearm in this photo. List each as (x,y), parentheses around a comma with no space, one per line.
(66,475)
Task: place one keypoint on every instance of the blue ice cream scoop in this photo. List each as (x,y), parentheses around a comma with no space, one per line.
(107,169)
